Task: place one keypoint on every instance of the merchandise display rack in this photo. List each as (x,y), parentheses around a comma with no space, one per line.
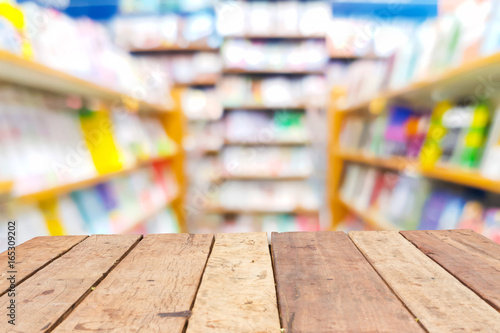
(178,128)
(90,182)
(453,83)
(267,108)
(17,70)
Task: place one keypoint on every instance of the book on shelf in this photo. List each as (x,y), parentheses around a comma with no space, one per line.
(408,202)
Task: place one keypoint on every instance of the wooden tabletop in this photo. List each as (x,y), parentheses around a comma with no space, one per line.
(367,281)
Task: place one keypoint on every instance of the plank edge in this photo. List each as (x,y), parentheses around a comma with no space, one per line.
(70,309)
(350,234)
(44,265)
(403,233)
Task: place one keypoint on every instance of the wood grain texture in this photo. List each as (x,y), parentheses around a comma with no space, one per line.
(440,302)
(326,285)
(151,290)
(470,257)
(46,296)
(237,292)
(33,255)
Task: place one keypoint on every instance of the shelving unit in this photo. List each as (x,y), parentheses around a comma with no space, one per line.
(28,73)
(17,70)
(451,84)
(182,125)
(264,73)
(82,184)
(470,178)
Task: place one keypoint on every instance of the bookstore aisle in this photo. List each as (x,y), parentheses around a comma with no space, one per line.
(208,116)
(250,86)
(83,141)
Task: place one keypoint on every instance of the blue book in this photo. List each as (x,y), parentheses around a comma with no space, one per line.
(93,211)
(433,210)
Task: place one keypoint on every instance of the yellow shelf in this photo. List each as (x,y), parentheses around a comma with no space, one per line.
(146,216)
(465,80)
(17,70)
(70,187)
(470,178)
(450,174)
(5,187)
(393,163)
(370,217)
(221,210)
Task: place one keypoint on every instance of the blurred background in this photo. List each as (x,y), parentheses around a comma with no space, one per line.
(202,116)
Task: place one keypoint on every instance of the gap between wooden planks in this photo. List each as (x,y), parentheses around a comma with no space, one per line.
(45,298)
(440,302)
(472,258)
(30,259)
(124,272)
(326,285)
(137,295)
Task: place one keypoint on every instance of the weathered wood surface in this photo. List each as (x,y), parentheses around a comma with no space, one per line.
(33,255)
(44,298)
(151,290)
(326,285)
(471,258)
(439,301)
(435,281)
(237,292)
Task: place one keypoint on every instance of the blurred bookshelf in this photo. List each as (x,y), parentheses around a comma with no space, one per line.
(83,151)
(79,185)
(453,83)
(447,175)
(15,69)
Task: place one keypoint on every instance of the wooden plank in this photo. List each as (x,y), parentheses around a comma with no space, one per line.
(152,289)
(33,255)
(237,292)
(326,285)
(470,257)
(440,302)
(44,299)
